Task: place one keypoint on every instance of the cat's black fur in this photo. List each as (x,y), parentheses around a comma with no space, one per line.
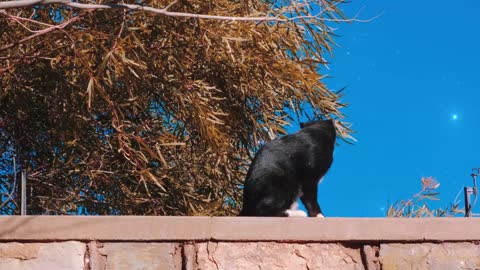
(288,168)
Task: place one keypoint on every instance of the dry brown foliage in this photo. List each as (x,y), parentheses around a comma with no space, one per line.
(125,112)
(417,206)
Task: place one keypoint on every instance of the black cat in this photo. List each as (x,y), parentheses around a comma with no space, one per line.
(289,168)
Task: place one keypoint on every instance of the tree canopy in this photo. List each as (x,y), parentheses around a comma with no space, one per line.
(117,109)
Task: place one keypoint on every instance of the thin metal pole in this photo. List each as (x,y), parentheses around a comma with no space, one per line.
(23,206)
(468,207)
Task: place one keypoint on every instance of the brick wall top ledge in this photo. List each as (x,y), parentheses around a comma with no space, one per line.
(147,228)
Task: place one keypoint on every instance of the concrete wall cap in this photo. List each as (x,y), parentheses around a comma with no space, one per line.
(169,228)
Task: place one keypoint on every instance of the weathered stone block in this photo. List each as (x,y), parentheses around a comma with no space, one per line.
(429,256)
(370,254)
(52,256)
(270,255)
(135,256)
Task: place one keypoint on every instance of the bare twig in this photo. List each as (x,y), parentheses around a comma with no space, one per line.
(18,18)
(40,33)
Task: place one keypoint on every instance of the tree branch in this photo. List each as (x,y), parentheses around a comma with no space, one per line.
(163,11)
(10,195)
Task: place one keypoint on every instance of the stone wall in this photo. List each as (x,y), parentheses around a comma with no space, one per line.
(186,243)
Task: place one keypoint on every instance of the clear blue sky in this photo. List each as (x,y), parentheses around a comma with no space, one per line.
(413,90)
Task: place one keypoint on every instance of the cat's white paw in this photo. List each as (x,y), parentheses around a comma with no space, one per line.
(320,215)
(296,213)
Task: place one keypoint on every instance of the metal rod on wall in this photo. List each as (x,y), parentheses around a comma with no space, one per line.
(471,191)
(467,191)
(23,205)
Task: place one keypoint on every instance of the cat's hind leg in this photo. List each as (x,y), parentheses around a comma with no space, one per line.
(294,211)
